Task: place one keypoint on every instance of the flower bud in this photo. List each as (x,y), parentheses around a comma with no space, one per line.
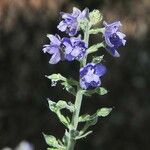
(95,17)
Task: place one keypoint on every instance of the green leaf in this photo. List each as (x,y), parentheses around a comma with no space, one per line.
(56,77)
(63,119)
(97,59)
(69,88)
(56,107)
(67,83)
(65,138)
(101,91)
(95,48)
(61,104)
(84,118)
(103,112)
(92,119)
(83,135)
(51,140)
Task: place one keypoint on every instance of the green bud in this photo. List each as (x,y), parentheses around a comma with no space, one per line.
(95,17)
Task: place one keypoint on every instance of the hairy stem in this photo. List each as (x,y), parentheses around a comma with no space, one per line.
(75,118)
(74,123)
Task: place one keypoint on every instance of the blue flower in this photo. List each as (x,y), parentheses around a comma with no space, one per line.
(74,48)
(90,75)
(70,49)
(113,37)
(53,48)
(70,22)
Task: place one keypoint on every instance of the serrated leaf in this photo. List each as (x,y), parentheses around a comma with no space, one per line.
(103,112)
(101,91)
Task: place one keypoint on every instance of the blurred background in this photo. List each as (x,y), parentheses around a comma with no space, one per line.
(24,112)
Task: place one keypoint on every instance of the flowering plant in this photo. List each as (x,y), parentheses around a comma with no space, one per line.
(75,47)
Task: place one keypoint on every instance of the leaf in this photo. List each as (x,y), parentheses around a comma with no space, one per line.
(63,119)
(51,140)
(56,107)
(69,88)
(95,47)
(84,118)
(83,135)
(101,91)
(103,112)
(97,59)
(65,138)
(67,83)
(56,77)
(92,119)
(61,104)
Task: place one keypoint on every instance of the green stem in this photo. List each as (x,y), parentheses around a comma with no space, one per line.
(86,40)
(75,118)
(74,123)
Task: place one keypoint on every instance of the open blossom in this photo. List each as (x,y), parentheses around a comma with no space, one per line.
(74,48)
(53,48)
(90,75)
(70,22)
(113,37)
(70,49)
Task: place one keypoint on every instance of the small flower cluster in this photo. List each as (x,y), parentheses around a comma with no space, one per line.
(74,47)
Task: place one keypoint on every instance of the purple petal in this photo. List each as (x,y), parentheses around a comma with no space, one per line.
(76,12)
(54,39)
(62,26)
(112,51)
(100,70)
(55,58)
(107,40)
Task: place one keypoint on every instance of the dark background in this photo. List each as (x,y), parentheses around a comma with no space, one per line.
(24,112)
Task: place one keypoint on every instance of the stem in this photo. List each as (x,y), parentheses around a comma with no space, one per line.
(86,40)
(75,118)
